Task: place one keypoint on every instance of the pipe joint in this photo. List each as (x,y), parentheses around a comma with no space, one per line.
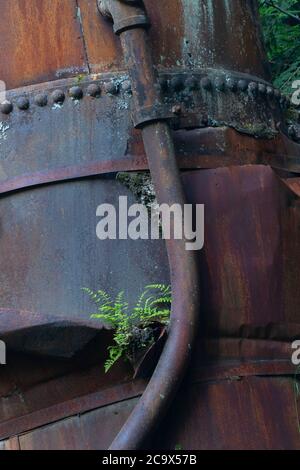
(125,14)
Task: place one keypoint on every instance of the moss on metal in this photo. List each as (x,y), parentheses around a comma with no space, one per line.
(140,184)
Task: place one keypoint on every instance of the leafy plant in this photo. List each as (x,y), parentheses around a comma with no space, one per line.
(281,28)
(134,329)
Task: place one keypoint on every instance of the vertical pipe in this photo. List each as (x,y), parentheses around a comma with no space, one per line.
(160,152)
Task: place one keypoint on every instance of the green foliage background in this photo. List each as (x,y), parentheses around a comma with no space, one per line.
(282,39)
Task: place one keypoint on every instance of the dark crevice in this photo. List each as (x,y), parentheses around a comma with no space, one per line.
(79,18)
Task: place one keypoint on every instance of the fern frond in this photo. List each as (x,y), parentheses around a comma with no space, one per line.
(114,355)
(151,307)
(165,289)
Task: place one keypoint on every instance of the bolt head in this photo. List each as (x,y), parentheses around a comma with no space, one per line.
(111,88)
(231,84)
(23,103)
(6,107)
(206,83)
(94,90)
(262,88)
(253,88)
(126,86)
(220,84)
(58,96)
(242,85)
(41,100)
(76,93)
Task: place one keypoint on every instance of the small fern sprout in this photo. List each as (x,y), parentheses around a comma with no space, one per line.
(134,328)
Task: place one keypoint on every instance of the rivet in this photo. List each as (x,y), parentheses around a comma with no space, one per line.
(6,107)
(176,109)
(41,100)
(191,83)
(242,85)
(23,103)
(176,83)
(76,93)
(126,86)
(58,96)
(111,88)
(206,83)
(270,91)
(253,88)
(94,90)
(220,84)
(262,88)
(231,84)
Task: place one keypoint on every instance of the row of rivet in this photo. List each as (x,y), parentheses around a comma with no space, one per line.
(220,84)
(175,84)
(58,96)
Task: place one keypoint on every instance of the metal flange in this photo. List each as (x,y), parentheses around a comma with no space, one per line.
(124,18)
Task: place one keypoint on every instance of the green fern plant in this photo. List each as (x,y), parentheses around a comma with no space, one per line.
(134,329)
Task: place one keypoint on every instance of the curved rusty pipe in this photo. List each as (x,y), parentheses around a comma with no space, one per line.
(130,23)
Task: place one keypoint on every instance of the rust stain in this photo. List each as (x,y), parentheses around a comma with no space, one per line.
(249,268)
(46,38)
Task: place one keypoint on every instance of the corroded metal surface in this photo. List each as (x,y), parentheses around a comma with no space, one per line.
(235,414)
(91,135)
(44,43)
(258,430)
(64,38)
(196,148)
(212,73)
(49,244)
(91,431)
(258,203)
(45,334)
(249,282)
(77,407)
